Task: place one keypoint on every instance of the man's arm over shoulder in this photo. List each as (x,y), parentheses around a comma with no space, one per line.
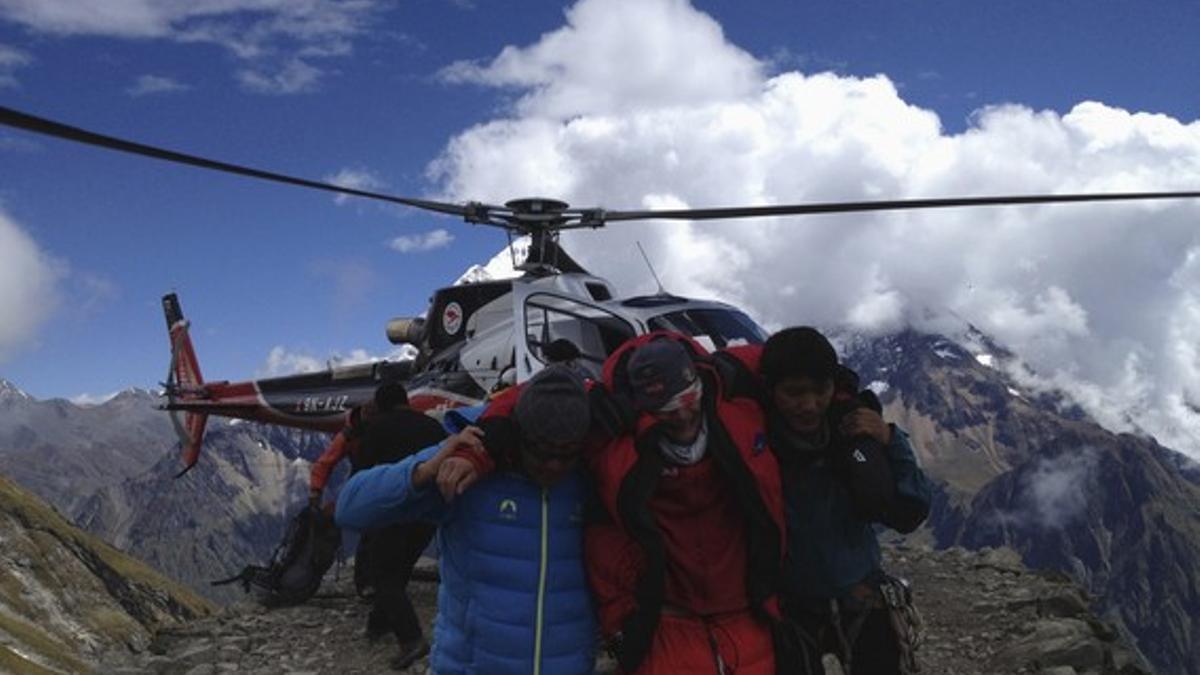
(910,505)
(385,494)
(319,476)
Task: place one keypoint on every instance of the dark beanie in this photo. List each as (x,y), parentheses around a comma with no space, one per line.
(390,395)
(560,350)
(800,351)
(658,370)
(553,406)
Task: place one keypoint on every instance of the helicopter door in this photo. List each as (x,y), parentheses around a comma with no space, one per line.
(547,317)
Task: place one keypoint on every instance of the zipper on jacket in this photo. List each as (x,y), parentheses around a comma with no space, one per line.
(541,594)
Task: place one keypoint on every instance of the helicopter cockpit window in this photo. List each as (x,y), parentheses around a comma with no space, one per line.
(714,328)
(595,331)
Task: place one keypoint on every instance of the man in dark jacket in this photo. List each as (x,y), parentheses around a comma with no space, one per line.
(395,431)
(844,470)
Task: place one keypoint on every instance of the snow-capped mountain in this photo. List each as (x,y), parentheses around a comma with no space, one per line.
(9,392)
(501,266)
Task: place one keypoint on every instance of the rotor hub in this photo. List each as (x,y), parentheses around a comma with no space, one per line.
(536,206)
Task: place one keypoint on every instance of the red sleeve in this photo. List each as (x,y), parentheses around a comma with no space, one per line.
(325,463)
(614,563)
(501,406)
(749,355)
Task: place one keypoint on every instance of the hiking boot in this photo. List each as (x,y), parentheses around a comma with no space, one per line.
(410,652)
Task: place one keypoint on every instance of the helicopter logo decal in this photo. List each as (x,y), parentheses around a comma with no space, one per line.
(452,318)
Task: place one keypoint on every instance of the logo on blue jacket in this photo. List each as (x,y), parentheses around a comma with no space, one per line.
(508,509)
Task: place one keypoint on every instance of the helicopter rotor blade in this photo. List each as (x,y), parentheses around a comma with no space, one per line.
(20,120)
(890,205)
(523,221)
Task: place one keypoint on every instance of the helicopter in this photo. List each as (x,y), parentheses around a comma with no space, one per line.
(480,336)
(474,339)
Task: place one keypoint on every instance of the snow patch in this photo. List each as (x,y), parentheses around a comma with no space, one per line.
(86,400)
(946,353)
(879,386)
(10,390)
(986,360)
(501,266)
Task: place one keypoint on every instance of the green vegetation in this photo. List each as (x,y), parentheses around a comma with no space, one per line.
(39,642)
(40,517)
(110,595)
(12,662)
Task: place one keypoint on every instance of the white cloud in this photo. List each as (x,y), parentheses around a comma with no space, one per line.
(155,84)
(420,243)
(294,77)
(1055,492)
(282,39)
(28,286)
(564,74)
(644,103)
(355,179)
(91,292)
(11,60)
(283,361)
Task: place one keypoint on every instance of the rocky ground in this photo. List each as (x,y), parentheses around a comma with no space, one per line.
(985,614)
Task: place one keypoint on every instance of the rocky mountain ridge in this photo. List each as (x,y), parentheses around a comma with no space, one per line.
(66,598)
(110,468)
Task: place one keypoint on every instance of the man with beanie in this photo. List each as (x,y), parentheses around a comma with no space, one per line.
(386,556)
(513,597)
(844,470)
(685,556)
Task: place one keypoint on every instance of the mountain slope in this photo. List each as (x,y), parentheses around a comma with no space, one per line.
(1113,513)
(228,511)
(1028,470)
(66,598)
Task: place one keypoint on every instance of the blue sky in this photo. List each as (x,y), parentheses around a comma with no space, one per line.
(489,99)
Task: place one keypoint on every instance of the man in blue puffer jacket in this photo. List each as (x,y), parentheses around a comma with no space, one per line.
(513,595)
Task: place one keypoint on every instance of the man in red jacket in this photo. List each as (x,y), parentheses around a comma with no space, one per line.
(685,558)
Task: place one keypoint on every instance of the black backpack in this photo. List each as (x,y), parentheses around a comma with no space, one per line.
(310,545)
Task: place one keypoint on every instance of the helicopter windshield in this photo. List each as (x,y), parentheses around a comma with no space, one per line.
(712,327)
(596,332)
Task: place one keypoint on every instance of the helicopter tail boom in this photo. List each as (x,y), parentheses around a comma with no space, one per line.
(184,382)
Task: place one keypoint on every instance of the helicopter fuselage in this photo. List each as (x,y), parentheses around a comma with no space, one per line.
(475,340)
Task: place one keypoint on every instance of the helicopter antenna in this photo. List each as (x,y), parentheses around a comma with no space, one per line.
(661,290)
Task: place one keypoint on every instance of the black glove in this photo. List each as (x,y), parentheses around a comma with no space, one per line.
(862,464)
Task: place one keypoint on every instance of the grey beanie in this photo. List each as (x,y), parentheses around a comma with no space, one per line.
(553,406)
